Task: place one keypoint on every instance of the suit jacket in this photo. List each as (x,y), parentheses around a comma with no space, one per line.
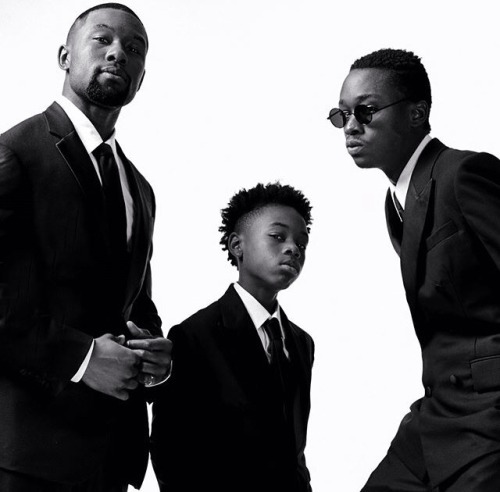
(213,425)
(57,293)
(449,243)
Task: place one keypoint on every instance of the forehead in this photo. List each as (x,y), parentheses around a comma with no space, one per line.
(367,83)
(278,215)
(116,20)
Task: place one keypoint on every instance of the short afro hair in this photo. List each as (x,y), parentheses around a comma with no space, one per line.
(246,202)
(115,6)
(406,70)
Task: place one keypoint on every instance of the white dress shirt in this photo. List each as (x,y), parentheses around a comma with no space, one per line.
(403,183)
(91,140)
(259,315)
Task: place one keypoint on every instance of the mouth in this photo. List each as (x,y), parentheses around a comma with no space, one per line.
(115,72)
(354,147)
(291,267)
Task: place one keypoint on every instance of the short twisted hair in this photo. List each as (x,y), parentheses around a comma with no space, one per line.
(406,72)
(244,204)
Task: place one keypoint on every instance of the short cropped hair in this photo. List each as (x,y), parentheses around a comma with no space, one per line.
(245,203)
(115,6)
(406,70)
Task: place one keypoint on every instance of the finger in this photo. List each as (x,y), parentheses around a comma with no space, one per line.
(158,358)
(137,332)
(154,369)
(158,344)
(121,395)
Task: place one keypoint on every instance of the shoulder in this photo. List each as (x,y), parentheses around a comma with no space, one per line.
(199,324)
(302,336)
(23,135)
(454,161)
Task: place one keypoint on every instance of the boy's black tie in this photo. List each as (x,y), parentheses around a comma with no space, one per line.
(278,358)
(113,198)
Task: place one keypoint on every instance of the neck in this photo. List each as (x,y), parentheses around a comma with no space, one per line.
(104,119)
(404,156)
(267,297)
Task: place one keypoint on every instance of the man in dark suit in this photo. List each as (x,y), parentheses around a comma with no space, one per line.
(442,213)
(78,329)
(233,415)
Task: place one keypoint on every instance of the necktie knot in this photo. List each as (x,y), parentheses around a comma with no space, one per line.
(273,329)
(103,150)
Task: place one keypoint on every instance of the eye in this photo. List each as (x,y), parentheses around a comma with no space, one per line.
(302,246)
(371,109)
(135,49)
(101,39)
(277,236)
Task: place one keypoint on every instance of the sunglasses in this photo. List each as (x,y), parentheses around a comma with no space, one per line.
(362,112)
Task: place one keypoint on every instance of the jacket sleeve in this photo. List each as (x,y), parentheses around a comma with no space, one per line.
(477,189)
(33,347)
(144,313)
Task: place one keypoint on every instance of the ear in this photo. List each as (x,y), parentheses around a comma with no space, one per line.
(419,114)
(64,57)
(234,246)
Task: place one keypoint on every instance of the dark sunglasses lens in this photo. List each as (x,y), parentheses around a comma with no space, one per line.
(363,114)
(337,118)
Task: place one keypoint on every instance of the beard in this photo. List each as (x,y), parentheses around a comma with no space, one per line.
(106,94)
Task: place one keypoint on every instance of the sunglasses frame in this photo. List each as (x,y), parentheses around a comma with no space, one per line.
(355,112)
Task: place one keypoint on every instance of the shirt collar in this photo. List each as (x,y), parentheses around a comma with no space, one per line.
(84,128)
(258,313)
(403,183)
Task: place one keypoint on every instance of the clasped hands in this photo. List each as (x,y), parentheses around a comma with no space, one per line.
(117,366)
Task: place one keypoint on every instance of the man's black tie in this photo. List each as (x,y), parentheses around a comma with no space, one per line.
(113,199)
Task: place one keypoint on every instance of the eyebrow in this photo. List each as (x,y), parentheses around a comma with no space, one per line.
(302,233)
(360,99)
(137,37)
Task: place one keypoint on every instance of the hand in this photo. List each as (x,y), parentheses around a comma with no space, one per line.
(155,353)
(113,368)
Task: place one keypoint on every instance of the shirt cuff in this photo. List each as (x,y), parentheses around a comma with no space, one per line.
(79,375)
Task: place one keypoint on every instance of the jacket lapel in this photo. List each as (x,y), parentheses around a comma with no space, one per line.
(241,344)
(142,228)
(78,161)
(418,199)
(394,224)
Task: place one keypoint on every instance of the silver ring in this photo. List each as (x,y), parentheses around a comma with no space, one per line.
(149,380)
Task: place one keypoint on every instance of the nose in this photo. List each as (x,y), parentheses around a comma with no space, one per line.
(117,53)
(293,250)
(352,125)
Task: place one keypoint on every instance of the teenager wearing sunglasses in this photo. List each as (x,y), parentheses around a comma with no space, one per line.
(443,216)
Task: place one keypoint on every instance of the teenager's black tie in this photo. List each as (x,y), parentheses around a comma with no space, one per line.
(278,361)
(113,198)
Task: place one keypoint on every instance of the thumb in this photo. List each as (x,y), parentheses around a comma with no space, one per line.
(120,339)
(137,332)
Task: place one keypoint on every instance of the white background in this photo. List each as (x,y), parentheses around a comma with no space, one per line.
(237,92)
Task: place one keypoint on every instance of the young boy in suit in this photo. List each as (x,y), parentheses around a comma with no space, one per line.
(233,415)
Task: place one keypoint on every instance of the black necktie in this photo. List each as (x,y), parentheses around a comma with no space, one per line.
(278,357)
(399,208)
(113,198)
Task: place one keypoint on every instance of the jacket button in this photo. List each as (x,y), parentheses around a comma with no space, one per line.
(453,379)
(428,391)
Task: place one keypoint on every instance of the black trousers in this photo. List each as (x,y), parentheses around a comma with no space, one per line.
(17,482)
(392,475)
